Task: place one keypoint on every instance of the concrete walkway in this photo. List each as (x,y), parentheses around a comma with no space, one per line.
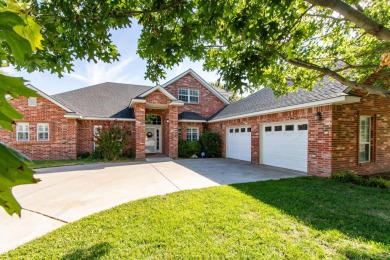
(67,194)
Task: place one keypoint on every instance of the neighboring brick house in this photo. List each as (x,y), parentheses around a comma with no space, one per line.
(327,130)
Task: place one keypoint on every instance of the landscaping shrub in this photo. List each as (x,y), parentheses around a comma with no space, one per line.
(111,142)
(128,154)
(189,148)
(360,180)
(211,144)
(83,155)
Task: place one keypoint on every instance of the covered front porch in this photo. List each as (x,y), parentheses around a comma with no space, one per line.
(156,123)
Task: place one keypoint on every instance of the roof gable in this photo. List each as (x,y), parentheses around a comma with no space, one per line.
(201,80)
(50,98)
(157,88)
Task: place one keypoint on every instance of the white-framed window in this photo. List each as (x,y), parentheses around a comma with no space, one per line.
(192,134)
(96,129)
(189,95)
(22,132)
(364,139)
(42,132)
(179,134)
(32,102)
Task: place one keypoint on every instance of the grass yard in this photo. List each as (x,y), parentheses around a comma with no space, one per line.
(56,163)
(302,218)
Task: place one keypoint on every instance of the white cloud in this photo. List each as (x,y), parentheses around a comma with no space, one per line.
(94,73)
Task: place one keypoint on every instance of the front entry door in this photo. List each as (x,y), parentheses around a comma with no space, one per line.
(152,139)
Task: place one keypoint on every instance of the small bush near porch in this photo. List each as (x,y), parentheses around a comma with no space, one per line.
(211,144)
(112,143)
(301,218)
(188,148)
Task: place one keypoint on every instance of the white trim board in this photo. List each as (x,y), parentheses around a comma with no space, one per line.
(191,121)
(336,100)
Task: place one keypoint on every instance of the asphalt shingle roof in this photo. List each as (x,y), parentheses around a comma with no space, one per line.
(190,116)
(107,100)
(264,99)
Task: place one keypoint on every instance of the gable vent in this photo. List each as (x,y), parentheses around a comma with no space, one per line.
(32,102)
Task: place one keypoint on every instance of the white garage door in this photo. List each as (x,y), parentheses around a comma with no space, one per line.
(285,145)
(239,143)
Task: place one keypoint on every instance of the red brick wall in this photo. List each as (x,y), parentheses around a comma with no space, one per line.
(172,131)
(139,111)
(208,105)
(157,97)
(319,135)
(184,125)
(346,120)
(85,130)
(62,131)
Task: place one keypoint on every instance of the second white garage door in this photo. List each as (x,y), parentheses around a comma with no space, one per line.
(285,145)
(238,144)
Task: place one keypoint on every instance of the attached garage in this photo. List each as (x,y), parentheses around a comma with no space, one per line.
(285,145)
(238,144)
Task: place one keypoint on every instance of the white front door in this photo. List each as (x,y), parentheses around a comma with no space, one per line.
(285,145)
(153,139)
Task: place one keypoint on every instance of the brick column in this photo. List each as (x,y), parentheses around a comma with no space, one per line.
(173,125)
(139,111)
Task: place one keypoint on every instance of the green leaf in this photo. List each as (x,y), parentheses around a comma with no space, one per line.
(10,19)
(14,171)
(31,32)
(18,45)
(13,87)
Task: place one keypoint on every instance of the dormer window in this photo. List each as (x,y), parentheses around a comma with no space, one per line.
(32,102)
(189,95)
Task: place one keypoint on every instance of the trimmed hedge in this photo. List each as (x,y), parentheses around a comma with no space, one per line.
(360,180)
(211,143)
(189,148)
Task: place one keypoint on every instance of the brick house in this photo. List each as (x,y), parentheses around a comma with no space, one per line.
(326,130)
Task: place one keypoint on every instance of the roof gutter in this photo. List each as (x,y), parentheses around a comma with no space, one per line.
(337,100)
(191,121)
(99,118)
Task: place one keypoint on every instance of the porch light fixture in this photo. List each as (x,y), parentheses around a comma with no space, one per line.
(318,116)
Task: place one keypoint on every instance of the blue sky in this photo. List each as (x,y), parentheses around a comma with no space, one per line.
(129,69)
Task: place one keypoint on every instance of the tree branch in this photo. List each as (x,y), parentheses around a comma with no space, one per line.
(333,74)
(367,24)
(368,66)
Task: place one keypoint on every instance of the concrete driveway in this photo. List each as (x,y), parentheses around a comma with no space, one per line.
(66,194)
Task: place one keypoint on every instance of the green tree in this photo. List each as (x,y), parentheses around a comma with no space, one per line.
(19,36)
(49,36)
(284,45)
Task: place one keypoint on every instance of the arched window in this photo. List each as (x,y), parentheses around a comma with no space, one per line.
(151,119)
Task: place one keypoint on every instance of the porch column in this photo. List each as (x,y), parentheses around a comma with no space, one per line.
(173,124)
(139,111)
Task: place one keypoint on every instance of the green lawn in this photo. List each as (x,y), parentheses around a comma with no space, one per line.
(302,218)
(56,163)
